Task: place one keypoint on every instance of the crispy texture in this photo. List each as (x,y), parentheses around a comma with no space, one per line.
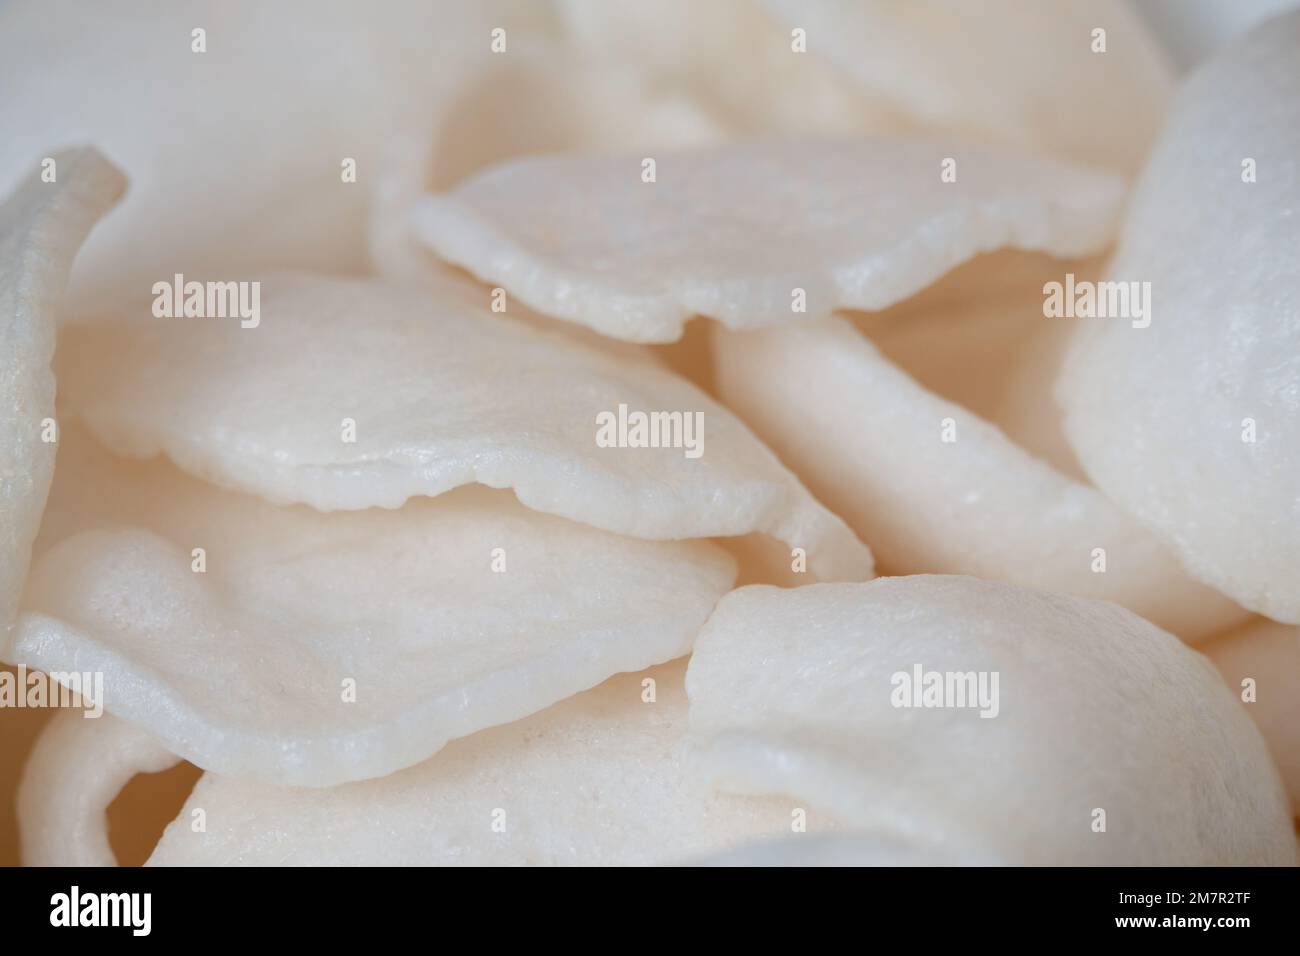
(42,226)
(443,393)
(870,442)
(1157,415)
(242,668)
(598,779)
(793,691)
(731,232)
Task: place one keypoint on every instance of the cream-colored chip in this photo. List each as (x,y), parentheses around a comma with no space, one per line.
(356,393)
(309,649)
(755,234)
(540,99)
(42,226)
(76,770)
(595,780)
(979,338)
(255,134)
(1189,417)
(931,486)
(1261,664)
(1034,727)
(1081,79)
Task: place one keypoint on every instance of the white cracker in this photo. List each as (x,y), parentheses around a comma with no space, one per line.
(796,692)
(1162,417)
(442,393)
(313,649)
(732,232)
(42,226)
